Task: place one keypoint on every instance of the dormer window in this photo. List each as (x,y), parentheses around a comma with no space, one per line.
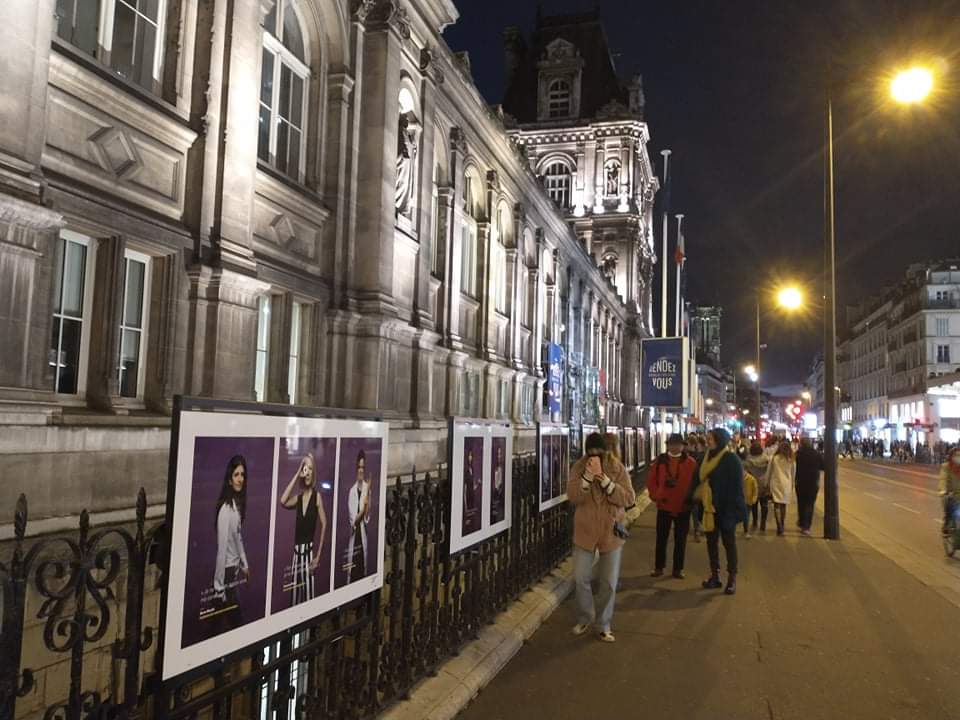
(558,99)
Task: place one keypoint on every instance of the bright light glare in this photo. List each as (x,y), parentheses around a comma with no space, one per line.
(790,298)
(749,370)
(911,86)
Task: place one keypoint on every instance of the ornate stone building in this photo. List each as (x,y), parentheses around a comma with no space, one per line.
(289,201)
(584,136)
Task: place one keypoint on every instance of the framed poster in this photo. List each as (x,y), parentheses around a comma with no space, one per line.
(664,379)
(481,480)
(273,519)
(553,461)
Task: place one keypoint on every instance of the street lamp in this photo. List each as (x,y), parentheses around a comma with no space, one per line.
(789,298)
(909,86)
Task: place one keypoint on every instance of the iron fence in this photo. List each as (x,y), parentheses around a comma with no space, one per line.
(80,618)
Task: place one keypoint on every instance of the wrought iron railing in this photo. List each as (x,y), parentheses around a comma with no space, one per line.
(80,618)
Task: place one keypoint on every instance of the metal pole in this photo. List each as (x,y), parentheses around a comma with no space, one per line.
(663,257)
(676,324)
(757,360)
(831,505)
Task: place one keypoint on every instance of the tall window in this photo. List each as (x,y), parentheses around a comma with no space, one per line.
(558,99)
(439,257)
(943,327)
(129,39)
(263,348)
(293,368)
(284,79)
(133,321)
(72,272)
(943,353)
(468,234)
(556,178)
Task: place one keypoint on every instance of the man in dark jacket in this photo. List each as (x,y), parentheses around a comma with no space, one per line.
(670,486)
(807,482)
(722,469)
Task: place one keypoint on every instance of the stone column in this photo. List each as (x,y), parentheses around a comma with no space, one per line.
(486,345)
(426,230)
(452,280)
(26,31)
(537,278)
(580,182)
(165,338)
(446,197)
(103,385)
(513,305)
(372,262)
(340,159)
(625,179)
(598,178)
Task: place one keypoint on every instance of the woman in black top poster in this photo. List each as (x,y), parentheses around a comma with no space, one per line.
(303,496)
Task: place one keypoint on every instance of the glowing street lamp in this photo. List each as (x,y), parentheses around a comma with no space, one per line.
(912,85)
(790,298)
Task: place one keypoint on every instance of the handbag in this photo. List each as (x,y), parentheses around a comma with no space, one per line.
(620,530)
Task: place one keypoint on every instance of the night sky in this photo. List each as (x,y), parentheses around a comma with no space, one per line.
(736,91)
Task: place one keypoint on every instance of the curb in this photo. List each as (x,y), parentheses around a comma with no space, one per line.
(459,680)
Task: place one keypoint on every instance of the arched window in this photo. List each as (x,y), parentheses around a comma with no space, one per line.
(284,81)
(499,259)
(127,34)
(556,179)
(558,99)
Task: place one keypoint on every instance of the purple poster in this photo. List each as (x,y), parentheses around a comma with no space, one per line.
(304,521)
(556,466)
(357,550)
(546,490)
(498,483)
(472,485)
(229,527)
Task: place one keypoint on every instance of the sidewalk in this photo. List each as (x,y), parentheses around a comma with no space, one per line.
(818,630)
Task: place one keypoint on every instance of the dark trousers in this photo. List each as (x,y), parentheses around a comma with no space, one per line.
(681,526)
(806,499)
(729,538)
(764,504)
(752,511)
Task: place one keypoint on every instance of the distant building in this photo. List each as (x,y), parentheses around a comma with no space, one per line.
(901,349)
(705,331)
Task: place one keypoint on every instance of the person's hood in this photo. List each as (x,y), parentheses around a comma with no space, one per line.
(721,436)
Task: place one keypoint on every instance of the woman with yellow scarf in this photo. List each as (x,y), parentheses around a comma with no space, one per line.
(720,491)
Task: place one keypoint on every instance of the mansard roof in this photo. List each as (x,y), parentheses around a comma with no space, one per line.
(599,85)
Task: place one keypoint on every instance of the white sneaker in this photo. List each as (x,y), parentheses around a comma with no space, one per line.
(607,636)
(580,628)
(747,536)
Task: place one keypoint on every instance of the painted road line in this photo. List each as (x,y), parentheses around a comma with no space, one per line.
(908,509)
(901,468)
(891,482)
(875,497)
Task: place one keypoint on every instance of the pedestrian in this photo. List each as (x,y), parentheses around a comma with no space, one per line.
(670,486)
(750,488)
(780,475)
(720,491)
(756,465)
(809,467)
(599,488)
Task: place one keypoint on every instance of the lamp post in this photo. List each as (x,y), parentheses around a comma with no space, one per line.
(907,87)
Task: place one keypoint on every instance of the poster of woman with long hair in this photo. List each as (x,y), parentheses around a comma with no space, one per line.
(358,497)
(472,485)
(228,534)
(303,520)
(498,485)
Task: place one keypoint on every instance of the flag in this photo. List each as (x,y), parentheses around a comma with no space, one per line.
(680,254)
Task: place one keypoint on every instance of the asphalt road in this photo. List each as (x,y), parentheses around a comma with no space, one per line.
(896,509)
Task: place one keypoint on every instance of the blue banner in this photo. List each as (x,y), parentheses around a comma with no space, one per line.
(554,377)
(662,373)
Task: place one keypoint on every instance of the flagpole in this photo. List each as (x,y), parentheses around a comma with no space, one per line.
(679,265)
(663,257)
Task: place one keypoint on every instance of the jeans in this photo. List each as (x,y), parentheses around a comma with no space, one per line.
(752,510)
(780,515)
(949,509)
(729,538)
(681,526)
(805,502)
(607,574)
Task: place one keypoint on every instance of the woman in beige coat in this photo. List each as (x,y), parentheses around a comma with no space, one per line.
(600,490)
(780,474)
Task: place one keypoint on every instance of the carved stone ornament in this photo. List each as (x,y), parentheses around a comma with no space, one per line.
(383,13)
(614,109)
(457,140)
(560,49)
(429,65)
(362,8)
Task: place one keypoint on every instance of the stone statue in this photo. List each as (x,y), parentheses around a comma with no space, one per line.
(613,179)
(408,139)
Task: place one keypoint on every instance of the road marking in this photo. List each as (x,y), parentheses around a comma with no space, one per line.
(901,468)
(875,497)
(908,509)
(893,482)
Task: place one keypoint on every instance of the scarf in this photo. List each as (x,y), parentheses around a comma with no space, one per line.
(704,493)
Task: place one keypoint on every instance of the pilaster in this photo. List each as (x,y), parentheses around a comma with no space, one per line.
(103,385)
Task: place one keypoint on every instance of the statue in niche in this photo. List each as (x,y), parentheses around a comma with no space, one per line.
(613,178)
(609,268)
(408,139)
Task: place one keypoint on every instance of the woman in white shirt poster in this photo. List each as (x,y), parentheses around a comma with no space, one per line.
(232,568)
(358,507)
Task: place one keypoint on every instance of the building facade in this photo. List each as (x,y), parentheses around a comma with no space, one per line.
(289,201)
(899,346)
(705,332)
